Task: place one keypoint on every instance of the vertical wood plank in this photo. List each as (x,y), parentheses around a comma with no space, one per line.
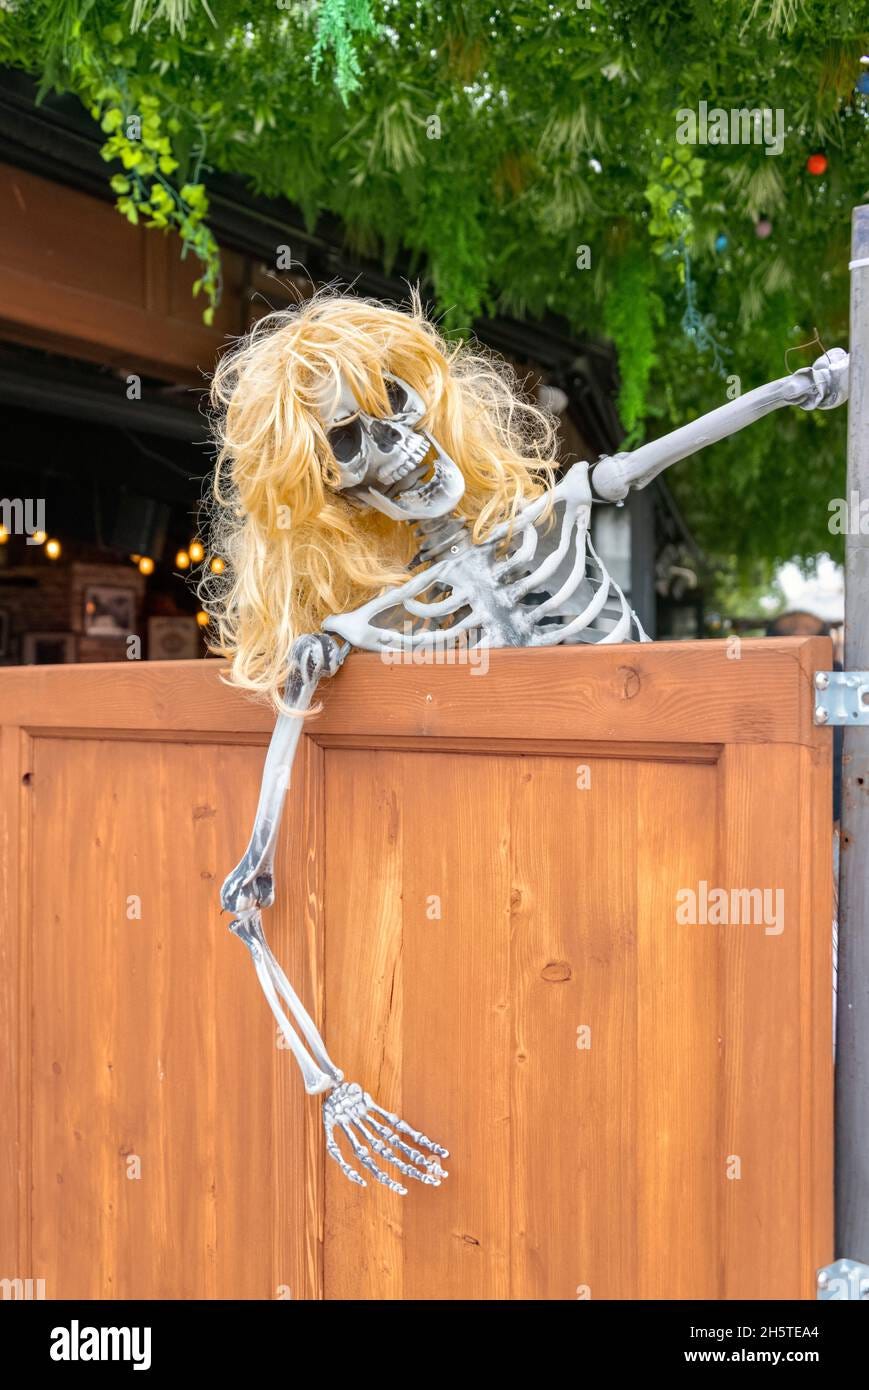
(151,1041)
(300,946)
(816,1016)
(776,1024)
(678,1169)
(363,1254)
(15,1156)
(574,1019)
(459,1051)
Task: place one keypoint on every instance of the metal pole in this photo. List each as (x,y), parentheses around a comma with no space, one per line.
(852,1048)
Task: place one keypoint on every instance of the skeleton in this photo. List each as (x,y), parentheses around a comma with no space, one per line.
(523,586)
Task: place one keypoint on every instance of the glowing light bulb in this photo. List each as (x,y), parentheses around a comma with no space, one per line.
(217,565)
(4,535)
(52,549)
(202,618)
(196,551)
(182,560)
(146,565)
(39,537)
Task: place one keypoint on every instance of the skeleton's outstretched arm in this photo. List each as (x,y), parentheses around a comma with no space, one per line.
(250,887)
(819,387)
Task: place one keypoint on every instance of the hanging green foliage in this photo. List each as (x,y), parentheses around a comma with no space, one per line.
(339,22)
(488,144)
(632,314)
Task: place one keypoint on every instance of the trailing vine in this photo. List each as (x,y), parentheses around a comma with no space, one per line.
(484,144)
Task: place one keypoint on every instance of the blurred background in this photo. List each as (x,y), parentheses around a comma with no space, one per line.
(170,170)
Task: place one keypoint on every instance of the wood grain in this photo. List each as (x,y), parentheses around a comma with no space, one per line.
(144,1036)
(664,692)
(127,302)
(474,871)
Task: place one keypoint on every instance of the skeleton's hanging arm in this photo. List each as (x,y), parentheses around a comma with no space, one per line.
(251,882)
(821,386)
(365,1125)
(250,885)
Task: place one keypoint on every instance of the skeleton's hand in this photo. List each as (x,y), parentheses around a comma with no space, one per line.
(313,656)
(368,1126)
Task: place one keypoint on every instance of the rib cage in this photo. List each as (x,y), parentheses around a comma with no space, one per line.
(550,587)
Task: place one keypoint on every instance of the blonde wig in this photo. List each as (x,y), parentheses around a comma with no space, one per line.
(294,550)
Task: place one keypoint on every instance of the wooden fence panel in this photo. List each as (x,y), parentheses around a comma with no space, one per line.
(477,897)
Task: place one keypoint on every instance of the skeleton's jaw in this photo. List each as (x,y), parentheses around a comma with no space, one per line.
(410,499)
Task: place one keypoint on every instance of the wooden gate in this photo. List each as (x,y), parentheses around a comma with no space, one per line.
(485,895)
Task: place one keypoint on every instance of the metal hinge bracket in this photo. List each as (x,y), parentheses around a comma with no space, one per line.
(842,697)
(844,1280)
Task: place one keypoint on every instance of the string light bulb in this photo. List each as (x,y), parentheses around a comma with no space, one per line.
(217,565)
(39,537)
(196,551)
(182,560)
(4,535)
(202,618)
(52,549)
(146,565)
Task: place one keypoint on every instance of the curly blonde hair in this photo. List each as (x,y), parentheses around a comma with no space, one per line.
(296,551)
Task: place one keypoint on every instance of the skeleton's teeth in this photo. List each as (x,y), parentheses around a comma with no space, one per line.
(396,474)
(410,476)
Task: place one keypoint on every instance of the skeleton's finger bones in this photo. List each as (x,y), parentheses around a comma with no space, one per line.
(348,1108)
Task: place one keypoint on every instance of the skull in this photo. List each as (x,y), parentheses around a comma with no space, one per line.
(382,460)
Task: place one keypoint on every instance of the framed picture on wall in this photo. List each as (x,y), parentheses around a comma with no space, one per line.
(47,648)
(109,611)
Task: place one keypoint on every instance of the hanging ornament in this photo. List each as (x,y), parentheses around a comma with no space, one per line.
(763,228)
(721,242)
(817,164)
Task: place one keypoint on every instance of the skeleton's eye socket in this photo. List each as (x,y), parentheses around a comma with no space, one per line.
(345,441)
(397,396)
